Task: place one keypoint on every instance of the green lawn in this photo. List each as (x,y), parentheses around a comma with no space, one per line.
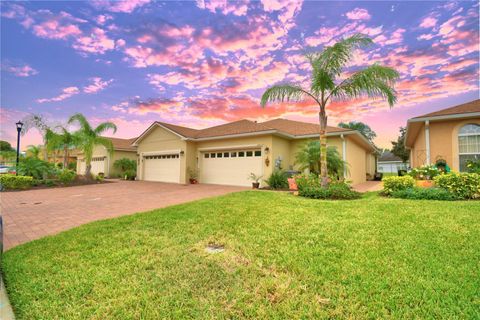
(285,258)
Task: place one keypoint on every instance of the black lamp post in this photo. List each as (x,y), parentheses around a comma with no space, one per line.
(19,129)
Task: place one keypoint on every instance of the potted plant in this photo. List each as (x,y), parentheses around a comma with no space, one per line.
(255,179)
(193,175)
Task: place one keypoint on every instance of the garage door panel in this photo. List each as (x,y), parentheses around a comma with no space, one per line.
(162,168)
(98,165)
(231,168)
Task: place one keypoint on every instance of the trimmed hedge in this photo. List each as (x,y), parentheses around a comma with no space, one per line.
(334,191)
(11,182)
(461,185)
(424,194)
(393,184)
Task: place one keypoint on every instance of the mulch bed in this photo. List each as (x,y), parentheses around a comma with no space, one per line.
(75,183)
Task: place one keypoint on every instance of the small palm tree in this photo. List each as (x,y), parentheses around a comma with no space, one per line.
(34,151)
(88,137)
(327,67)
(63,140)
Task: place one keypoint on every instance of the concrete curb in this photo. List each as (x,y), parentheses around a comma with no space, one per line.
(6,312)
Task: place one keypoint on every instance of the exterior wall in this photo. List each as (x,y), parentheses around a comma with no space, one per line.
(119,154)
(356,158)
(371,163)
(191,158)
(296,145)
(160,139)
(281,150)
(443,143)
(98,151)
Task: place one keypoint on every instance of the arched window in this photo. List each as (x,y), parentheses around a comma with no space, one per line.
(468,144)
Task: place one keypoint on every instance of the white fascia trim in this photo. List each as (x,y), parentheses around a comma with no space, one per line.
(235,135)
(446,117)
(152,126)
(427,140)
(233,147)
(151,153)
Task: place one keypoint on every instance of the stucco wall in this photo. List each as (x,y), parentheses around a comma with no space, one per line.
(356,159)
(296,145)
(160,139)
(281,150)
(119,154)
(443,143)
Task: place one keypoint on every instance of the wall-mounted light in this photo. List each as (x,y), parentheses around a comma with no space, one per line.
(267,162)
(182,153)
(267,150)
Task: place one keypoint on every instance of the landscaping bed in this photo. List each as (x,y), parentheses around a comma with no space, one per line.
(257,255)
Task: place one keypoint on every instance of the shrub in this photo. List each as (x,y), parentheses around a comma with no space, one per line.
(72,165)
(307,180)
(35,168)
(424,194)
(10,181)
(125,164)
(473,166)
(130,175)
(335,191)
(461,185)
(308,157)
(66,176)
(49,182)
(425,172)
(394,183)
(278,180)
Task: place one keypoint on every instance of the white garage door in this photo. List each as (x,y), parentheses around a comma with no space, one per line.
(164,168)
(98,165)
(230,167)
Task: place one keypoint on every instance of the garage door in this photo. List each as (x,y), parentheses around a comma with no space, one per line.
(164,168)
(230,167)
(98,165)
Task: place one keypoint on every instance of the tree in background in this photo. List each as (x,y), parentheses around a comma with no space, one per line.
(40,123)
(6,146)
(88,137)
(399,146)
(326,84)
(62,140)
(363,128)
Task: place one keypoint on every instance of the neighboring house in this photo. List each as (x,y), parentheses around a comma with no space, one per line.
(228,153)
(390,163)
(102,160)
(452,134)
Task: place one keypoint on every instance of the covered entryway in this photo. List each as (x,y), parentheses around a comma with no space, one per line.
(162,167)
(232,167)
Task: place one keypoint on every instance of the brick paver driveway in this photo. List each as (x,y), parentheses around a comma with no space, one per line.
(32,214)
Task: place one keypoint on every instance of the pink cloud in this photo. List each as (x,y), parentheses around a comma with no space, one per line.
(123,6)
(429,22)
(19,71)
(66,93)
(52,26)
(97,84)
(97,42)
(358,14)
(238,8)
(103,18)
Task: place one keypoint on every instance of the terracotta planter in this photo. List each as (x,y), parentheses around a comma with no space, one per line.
(425,183)
(255,185)
(292,185)
(193,181)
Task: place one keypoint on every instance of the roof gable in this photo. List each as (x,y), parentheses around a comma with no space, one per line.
(469,107)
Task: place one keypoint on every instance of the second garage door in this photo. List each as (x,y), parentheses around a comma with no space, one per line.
(230,167)
(163,168)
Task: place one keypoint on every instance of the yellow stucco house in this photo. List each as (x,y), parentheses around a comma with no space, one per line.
(452,134)
(102,160)
(228,153)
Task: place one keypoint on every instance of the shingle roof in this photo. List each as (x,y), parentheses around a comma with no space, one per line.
(469,107)
(388,156)
(295,128)
(123,144)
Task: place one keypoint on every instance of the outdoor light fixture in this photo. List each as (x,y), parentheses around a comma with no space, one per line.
(267,150)
(182,153)
(19,125)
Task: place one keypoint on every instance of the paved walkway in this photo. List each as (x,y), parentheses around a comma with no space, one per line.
(32,214)
(368,186)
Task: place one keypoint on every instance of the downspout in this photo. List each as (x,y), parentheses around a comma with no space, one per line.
(344,155)
(427,140)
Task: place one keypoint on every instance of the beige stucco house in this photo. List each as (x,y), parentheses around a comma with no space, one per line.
(227,154)
(452,134)
(102,160)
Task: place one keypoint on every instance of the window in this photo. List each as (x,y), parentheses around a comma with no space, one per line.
(468,144)
(234,154)
(258,153)
(212,155)
(241,154)
(206,155)
(249,153)
(219,155)
(226,154)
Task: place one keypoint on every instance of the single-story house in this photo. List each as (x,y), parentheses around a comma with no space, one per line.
(102,160)
(452,134)
(228,153)
(389,163)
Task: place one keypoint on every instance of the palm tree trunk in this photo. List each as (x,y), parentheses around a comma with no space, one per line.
(65,157)
(323,147)
(88,169)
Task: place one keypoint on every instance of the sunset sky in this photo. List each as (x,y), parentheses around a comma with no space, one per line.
(204,63)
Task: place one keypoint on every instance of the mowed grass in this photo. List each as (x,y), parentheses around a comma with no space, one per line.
(285,258)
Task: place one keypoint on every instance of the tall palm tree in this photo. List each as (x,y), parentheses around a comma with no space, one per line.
(89,137)
(326,85)
(63,140)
